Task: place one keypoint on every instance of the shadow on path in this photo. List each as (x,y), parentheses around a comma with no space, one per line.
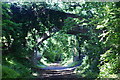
(57,71)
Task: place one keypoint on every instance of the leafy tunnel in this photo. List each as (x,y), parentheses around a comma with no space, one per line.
(37,34)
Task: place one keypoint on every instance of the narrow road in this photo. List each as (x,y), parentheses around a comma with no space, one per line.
(57,71)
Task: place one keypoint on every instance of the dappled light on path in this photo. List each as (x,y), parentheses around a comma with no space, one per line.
(57,70)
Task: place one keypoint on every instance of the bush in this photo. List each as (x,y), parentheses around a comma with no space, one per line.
(9,73)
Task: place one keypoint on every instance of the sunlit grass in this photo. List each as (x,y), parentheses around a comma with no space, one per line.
(34,74)
(67,62)
(9,61)
(44,61)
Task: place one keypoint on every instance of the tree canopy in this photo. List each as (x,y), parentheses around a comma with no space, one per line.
(35,34)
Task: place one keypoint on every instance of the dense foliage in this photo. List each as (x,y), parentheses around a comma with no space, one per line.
(85,32)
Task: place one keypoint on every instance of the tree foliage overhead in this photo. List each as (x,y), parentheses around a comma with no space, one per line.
(87,32)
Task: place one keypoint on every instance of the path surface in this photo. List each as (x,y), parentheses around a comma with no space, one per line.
(57,71)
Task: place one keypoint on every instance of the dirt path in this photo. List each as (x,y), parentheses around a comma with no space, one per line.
(57,71)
